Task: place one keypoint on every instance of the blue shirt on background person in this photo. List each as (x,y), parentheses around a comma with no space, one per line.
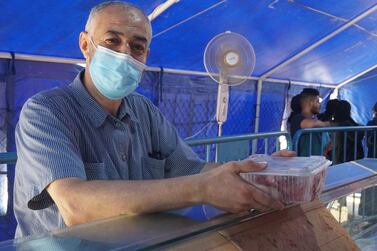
(82,140)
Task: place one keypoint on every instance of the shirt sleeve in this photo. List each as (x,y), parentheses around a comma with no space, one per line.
(180,159)
(46,150)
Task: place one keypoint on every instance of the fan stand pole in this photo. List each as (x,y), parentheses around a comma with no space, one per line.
(221,107)
(220,125)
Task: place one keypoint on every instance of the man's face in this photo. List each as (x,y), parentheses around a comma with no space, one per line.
(316,105)
(121,30)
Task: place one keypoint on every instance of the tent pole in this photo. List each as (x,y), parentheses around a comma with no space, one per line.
(20,56)
(48,59)
(161,8)
(270,80)
(257,114)
(349,80)
(319,42)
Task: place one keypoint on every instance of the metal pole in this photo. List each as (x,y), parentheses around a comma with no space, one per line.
(257,114)
(19,56)
(161,8)
(349,80)
(319,42)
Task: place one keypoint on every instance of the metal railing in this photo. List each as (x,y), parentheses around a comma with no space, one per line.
(208,143)
(5,158)
(8,158)
(340,139)
(357,210)
(11,157)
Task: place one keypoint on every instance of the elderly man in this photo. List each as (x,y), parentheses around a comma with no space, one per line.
(94,149)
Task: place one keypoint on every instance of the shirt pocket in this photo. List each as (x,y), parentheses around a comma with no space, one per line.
(95,171)
(153,168)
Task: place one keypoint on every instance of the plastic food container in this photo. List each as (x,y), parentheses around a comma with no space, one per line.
(290,180)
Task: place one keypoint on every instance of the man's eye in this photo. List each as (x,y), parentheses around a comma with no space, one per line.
(112,41)
(138,48)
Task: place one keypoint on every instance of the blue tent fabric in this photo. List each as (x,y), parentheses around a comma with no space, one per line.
(278,30)
(361,93)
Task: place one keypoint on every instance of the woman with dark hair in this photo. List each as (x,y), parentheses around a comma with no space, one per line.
(345,149)
(328,115)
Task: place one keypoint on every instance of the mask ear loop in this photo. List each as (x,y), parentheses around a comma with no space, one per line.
(91,41)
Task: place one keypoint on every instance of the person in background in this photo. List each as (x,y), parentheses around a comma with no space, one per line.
(296,103)
(310,107)
(295,107)
(345,149)
(328,115)
(372,145)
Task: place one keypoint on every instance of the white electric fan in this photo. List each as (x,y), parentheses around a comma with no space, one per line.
(228,58)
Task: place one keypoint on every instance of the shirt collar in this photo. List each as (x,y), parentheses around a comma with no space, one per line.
(125,110)
(92,109)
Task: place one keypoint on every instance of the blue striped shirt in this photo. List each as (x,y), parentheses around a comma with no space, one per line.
(64,133)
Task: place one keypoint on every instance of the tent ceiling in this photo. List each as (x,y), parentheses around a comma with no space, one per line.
(277,29)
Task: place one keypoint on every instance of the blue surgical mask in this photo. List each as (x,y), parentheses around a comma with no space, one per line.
(114,74)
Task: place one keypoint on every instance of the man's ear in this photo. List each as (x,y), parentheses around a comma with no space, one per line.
(148,52)
(84,44)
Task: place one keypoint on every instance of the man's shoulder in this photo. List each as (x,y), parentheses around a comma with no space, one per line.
(55,99)
(140,102)
(51,95)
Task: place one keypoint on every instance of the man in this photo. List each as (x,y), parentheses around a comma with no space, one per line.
(94,149)
(310,107)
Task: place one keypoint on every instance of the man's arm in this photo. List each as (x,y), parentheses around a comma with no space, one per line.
(81,201)
(311,123)
(209,166)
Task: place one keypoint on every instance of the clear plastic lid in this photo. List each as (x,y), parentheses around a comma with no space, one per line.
(290,166)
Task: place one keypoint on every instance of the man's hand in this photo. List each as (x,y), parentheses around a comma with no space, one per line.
(284,153)
(225,189)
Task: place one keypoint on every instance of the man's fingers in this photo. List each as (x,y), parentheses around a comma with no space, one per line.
(284,153)
(265,200)
(247,165)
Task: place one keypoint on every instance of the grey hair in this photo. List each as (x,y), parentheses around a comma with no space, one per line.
(99,7)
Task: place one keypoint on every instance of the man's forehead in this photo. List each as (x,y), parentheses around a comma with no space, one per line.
(116,18)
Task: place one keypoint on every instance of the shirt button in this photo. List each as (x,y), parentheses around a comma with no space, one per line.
(117,124)
(124,157)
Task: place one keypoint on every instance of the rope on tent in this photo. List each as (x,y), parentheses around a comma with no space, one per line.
(345,20)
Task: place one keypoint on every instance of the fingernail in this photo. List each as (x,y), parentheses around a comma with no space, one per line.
(262,164)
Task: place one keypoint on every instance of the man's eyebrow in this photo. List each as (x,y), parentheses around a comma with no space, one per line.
(115,32)
(137,37)
(141,38)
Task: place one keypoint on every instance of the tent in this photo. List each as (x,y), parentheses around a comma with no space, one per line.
(330,45)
